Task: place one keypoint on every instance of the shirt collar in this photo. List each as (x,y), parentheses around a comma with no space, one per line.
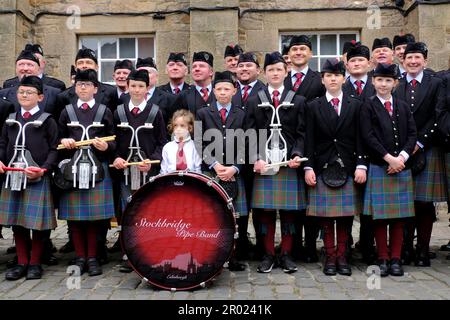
(418,78)
(280,90)
(228,106)
(304,71)
(141,107)
(91,103)
(251,84)
(173,87)
(363,79)
(329,97)
(383,101)
(120,92)
(32,111)
(199,89)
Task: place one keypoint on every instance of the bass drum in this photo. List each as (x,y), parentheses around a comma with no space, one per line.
(178,230)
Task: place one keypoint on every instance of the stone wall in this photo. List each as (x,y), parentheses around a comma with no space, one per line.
(254,25)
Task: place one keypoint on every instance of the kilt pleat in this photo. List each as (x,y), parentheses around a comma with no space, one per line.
(430,184)
(388,196)
(240,204)
(89,205)
(283,191)
(31,208)
(345,201)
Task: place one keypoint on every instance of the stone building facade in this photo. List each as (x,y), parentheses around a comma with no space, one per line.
(194,25)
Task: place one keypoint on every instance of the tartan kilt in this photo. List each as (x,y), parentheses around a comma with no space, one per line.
(326,202)
(283,191)
(388,196)
(447,171)
(240,204)
(430,184)
(31,208)
(89,205)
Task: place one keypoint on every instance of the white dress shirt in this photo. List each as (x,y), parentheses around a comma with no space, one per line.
(169,157)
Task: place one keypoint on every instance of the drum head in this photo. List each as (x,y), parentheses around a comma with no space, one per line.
(178,231)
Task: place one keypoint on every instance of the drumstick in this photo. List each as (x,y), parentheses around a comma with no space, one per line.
(139,163)
(87,142)
(23,169)
(282,164)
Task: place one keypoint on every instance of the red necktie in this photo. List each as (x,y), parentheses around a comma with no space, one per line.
(335,104)
(413,83)
(181,157)
(205,94)
(246,92)
(359,88)
(135,111)
(388,107)
(298,82)
(26,115)
(176,90)
(84,106)
(223,115)
(276,100)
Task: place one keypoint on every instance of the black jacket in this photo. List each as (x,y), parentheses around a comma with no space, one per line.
(49,81)
(443,112)
(292,120)
(311,86)
(192,100)
(382,134)
(211,119)
(167,88)
(430,97)
(368,91)
(6,108)
(329,136)
(237,99)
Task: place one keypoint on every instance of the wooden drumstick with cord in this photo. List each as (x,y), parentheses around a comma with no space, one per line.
(139,163)
(88,142)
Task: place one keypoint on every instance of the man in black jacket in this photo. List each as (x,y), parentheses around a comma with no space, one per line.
(177,71)
(49,81)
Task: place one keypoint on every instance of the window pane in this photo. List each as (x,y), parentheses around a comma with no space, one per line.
(146,47)
(327,44)
(313,64)
(109,48)
(90,43)
(107,71)
(345,38)
(127,48)
(313,39)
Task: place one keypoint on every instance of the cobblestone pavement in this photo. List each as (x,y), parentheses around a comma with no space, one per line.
(308,283)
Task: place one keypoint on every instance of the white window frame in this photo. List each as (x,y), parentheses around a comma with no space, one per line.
(317,55)
(136,38)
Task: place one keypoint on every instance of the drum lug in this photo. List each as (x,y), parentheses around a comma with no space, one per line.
(151,179)
(173,289)
(236,235)
(129,199)
(203,285)
(181,173)
(237,215)
(210,183)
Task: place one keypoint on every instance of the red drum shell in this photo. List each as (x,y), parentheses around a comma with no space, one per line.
(178,231)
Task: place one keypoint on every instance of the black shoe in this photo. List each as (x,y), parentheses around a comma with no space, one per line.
(67,248)
(234,265)
(12,263)
(125,267)
(396,269)
(266,264)
(80,263)
(34,272)
(93,267)
(287,264)
(408,256)
(329,267)
(116,247)
(445,247)
(311,257)
(342,266)
(422,260)
(16,272)
(384,267)
(432,255)
(50,260)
